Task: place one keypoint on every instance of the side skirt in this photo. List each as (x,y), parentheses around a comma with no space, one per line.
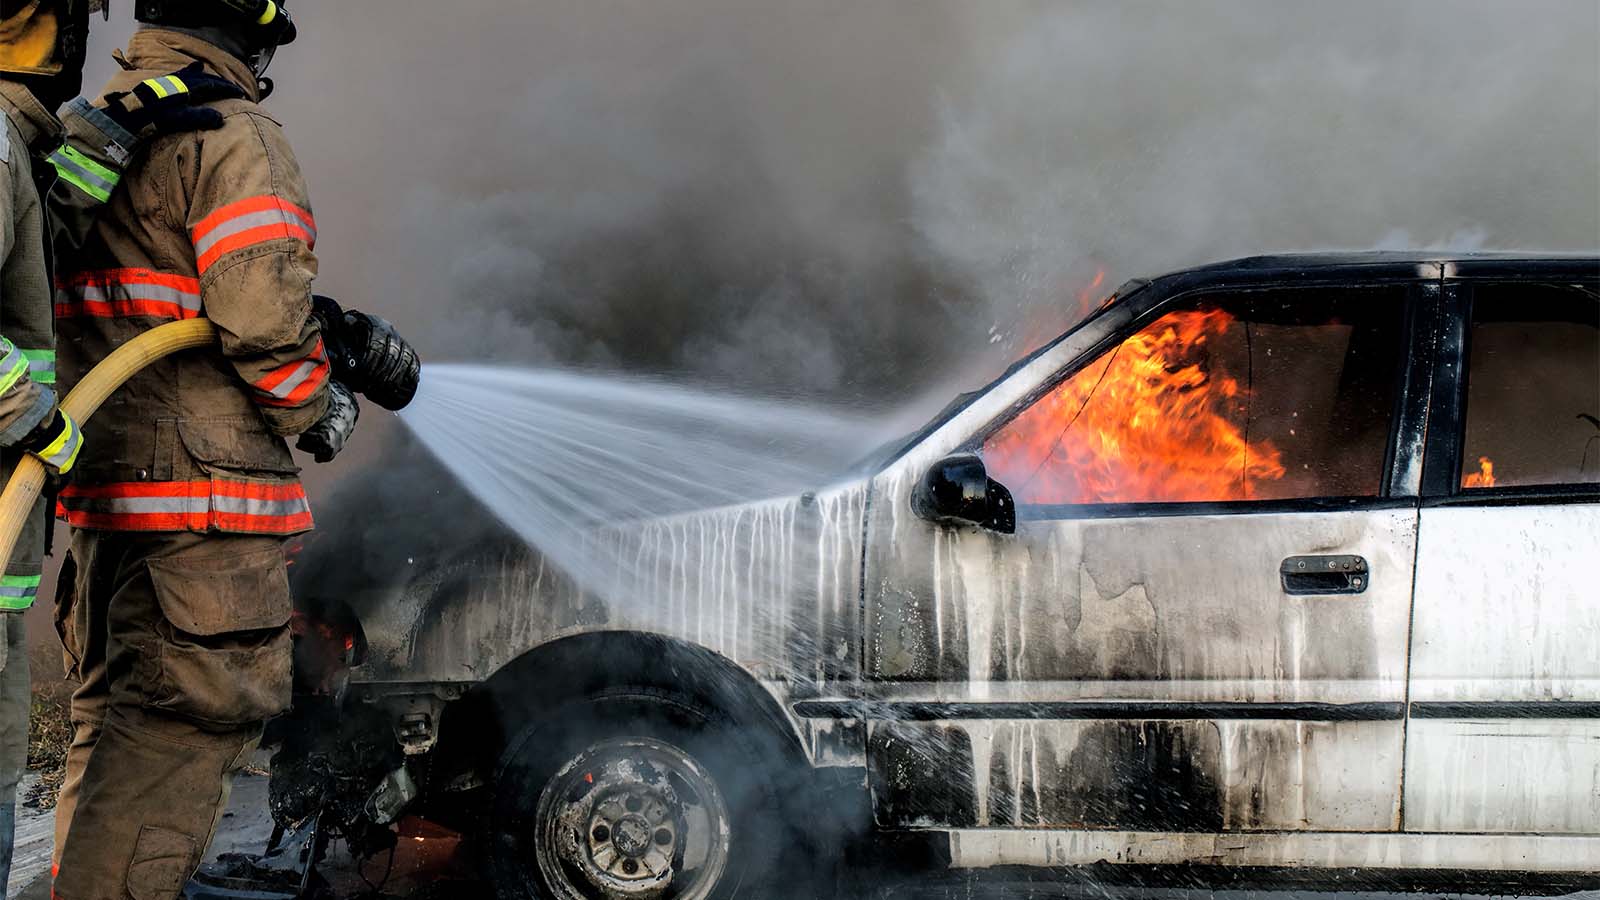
(985,848)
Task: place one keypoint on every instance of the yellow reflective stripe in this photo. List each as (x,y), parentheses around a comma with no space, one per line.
(17,591)
(63,451)
(13,364)
(166,86)
(269,15)
(41,365)
(84,173)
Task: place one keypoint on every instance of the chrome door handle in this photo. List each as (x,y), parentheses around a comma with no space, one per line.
(1324,575)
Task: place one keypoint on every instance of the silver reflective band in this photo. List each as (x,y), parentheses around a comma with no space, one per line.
(301,373)
(248,221)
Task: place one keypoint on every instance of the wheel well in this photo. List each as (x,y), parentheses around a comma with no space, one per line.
(474,729)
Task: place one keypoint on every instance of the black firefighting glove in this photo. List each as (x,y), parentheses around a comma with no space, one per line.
(171,104)
(325,439)
(56,441)
(368,355)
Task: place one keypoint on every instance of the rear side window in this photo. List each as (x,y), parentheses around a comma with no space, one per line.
(1533,387)
(1264,396)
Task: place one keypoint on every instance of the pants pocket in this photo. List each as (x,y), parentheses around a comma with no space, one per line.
(162,860)
(224,651)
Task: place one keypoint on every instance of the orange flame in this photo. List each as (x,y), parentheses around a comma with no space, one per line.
(1154,421)
(1483,478)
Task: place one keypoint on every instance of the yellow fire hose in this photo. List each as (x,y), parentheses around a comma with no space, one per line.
(102,381)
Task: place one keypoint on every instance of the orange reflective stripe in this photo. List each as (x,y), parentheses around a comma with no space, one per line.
(248,222)
(114,293)
(220,504)
(293,382)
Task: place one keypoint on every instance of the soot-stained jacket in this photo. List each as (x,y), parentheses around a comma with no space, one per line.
(27,342)
(213,223)
(34,148)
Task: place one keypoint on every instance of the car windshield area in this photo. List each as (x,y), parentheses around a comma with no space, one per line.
(1268,396)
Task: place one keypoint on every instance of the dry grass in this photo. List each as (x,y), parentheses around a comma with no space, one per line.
(49,734)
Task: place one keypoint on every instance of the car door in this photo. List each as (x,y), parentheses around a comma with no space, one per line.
(1504,728)
(1200,622)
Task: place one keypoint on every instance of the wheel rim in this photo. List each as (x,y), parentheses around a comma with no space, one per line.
(632,819)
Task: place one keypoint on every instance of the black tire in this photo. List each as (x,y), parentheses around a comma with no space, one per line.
(751,772)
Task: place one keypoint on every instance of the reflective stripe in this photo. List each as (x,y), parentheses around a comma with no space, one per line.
(17,591)
(268,15)
(249,222)
(291,383)
(41,365)
(115,293)
(13,365)
(166,86)
(63,451)
(220,504)
(84,173)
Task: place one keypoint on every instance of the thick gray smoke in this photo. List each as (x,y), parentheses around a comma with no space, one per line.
(870,202)
(842,198)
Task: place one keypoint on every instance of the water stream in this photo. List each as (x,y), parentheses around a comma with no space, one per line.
(557,454)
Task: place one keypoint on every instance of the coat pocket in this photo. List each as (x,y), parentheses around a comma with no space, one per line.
(225,654)
(236,444)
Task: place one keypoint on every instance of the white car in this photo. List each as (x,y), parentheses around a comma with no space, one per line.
(1287,562)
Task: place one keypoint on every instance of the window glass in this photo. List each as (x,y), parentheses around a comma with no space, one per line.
(1263,396)
(1533,387)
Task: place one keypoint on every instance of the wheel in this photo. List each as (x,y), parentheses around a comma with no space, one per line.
(642,794)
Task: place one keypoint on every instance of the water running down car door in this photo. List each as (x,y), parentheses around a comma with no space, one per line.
(1200,623)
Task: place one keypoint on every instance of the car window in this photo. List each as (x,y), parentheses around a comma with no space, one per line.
(1263,396)
(1533,387)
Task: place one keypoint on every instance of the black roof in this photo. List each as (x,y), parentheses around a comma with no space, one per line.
(1377,264)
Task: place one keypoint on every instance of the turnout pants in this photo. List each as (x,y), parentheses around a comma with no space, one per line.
(181,645)
(14,701)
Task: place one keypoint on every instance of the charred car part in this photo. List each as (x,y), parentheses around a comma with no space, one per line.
(958,490)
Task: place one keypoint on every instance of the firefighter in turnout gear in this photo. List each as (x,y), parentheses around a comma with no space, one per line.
(176,622)
(54,177)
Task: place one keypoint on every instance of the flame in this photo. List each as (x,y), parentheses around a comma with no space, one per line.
(1483,478)
(1157,420)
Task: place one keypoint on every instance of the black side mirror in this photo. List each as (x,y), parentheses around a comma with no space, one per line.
(958,490)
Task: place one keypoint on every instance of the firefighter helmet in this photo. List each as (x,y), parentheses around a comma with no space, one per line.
(263,24)
(44,37)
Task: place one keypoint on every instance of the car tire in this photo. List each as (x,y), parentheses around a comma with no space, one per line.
(645,794)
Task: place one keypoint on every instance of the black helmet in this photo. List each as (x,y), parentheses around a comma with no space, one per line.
(264,23)
(253,30)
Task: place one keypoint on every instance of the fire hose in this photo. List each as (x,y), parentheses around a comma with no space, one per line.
(22,491)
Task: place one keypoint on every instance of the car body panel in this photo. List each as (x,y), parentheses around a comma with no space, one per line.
(1022,692)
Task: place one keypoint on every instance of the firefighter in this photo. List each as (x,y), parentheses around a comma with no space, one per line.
(41,58)
(176,623)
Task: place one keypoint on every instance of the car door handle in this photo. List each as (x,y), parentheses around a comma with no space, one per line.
(1324,575)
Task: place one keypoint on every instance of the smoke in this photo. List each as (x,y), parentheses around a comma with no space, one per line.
(874,203)
(838,199)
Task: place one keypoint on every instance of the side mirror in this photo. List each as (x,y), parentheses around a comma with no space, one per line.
(959,491)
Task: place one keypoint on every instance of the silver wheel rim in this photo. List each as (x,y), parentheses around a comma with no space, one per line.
(632,819)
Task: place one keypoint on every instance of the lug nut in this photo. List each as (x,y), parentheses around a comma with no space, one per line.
(602,834)
(663,836)
(629,867)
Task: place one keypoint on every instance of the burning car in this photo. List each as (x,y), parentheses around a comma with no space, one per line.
(1284,562)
